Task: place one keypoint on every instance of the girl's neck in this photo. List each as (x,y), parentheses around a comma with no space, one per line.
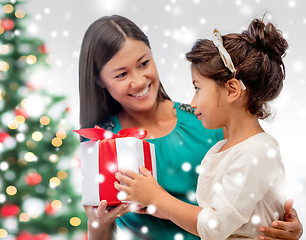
(241,128)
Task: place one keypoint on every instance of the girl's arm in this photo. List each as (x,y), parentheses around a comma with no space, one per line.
(145,190)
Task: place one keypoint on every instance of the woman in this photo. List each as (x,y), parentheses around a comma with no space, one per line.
(120,88)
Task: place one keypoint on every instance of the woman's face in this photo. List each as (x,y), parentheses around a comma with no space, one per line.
(131,77)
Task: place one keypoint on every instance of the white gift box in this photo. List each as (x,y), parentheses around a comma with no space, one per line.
(100,160)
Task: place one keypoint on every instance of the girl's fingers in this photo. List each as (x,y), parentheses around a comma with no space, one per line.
(145,172)
(121,188)
(123,179)
(128,173)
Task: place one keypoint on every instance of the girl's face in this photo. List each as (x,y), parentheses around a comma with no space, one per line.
(131,77)
(208,101)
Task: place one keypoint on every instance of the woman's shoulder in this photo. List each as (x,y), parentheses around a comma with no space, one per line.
(108,124)
(185,108)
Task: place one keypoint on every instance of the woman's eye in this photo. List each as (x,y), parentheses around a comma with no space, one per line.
(121,75)
(144,63)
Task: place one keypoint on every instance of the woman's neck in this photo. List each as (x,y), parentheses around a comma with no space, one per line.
(158,121)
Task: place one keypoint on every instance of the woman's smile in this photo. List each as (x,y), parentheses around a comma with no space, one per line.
(141,94)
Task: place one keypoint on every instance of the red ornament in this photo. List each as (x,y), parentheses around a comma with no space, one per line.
(34,86)
(7,24)
(41,236)
(9,210)
(42,49)
(33,179)
(3,136)
(24,235)
(21,112)
(49,209)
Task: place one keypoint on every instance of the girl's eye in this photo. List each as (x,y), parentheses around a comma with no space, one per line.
(196,89)
(144,63)
(121,75)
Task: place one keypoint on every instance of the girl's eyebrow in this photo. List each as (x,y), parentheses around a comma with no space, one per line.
(122,68)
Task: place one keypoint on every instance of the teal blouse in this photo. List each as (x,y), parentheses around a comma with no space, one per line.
(178,155)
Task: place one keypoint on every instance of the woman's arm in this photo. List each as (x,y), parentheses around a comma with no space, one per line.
(183,214)
(291,228)
(101,223)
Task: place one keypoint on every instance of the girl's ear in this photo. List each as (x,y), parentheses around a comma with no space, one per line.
(233,90)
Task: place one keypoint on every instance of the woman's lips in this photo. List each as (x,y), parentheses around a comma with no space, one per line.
(141,93)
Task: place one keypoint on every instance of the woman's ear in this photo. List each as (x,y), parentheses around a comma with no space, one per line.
(99,81)
(233,90)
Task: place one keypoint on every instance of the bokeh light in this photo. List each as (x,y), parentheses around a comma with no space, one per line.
(11,190)
(56,142)
(8,8)
(75,221)
(37,136)
(44,120)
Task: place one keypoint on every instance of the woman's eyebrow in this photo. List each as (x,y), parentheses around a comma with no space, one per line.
(122,68)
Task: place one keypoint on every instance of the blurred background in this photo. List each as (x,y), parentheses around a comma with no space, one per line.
(172,27)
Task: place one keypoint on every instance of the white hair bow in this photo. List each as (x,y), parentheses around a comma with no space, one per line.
(226,58)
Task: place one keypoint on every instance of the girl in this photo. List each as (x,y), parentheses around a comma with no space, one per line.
(241,178)
(120,88)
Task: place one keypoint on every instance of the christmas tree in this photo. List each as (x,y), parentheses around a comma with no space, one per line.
(37,199)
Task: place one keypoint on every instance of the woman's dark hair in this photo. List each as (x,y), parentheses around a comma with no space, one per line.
(257,54)
(102,40)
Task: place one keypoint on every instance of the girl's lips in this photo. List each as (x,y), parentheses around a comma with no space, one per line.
(198,115)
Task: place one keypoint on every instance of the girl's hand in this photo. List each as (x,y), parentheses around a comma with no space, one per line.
(101,221)
(142,189)
(291,228)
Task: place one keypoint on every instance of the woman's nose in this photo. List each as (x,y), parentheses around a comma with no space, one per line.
(138,80)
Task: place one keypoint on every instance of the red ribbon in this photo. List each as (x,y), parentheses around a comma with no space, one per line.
(97,133)
(108,162)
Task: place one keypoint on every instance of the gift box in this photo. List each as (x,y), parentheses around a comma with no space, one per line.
(105,154)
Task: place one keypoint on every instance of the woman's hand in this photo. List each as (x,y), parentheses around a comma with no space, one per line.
(291,228)
(101,221)
(142,189)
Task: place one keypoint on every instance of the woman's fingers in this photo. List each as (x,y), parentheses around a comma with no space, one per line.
(120,210)
(101,208)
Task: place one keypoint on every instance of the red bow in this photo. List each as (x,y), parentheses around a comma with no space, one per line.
(97,133)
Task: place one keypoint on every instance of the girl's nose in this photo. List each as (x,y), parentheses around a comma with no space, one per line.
(193,102)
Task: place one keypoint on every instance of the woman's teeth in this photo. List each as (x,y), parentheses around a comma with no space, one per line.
(142,93)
